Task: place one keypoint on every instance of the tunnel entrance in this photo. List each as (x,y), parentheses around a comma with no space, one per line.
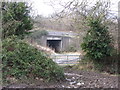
(54,44)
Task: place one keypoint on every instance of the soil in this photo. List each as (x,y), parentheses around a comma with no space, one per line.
(74,79)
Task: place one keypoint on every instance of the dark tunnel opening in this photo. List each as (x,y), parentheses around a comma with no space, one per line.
(54,44)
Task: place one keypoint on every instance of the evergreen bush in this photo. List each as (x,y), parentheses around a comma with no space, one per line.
(97,43)
(22,60)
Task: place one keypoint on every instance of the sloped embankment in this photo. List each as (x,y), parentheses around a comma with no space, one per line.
(20,60)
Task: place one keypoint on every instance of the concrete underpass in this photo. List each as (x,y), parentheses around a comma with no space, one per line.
(54,45)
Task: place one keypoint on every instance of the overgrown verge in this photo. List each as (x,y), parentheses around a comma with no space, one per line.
(22,60)
(107,65)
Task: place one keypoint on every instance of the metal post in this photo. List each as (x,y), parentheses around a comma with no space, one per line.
(67,59)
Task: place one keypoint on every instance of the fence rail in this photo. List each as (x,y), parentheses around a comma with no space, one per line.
(63,59)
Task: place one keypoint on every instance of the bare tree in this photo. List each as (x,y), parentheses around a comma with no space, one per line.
(78,12)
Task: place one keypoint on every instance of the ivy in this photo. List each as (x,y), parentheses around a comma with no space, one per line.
(20,59)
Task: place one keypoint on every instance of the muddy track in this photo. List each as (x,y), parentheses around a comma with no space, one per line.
(95,80)
(74,79)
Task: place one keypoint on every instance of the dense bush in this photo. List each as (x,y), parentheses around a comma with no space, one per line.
(97,43)
(22,60)
(16,19)
(99,49)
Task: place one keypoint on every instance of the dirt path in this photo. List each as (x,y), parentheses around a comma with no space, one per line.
(74,79)
(94,79)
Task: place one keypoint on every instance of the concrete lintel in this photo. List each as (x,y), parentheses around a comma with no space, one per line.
(54,38)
